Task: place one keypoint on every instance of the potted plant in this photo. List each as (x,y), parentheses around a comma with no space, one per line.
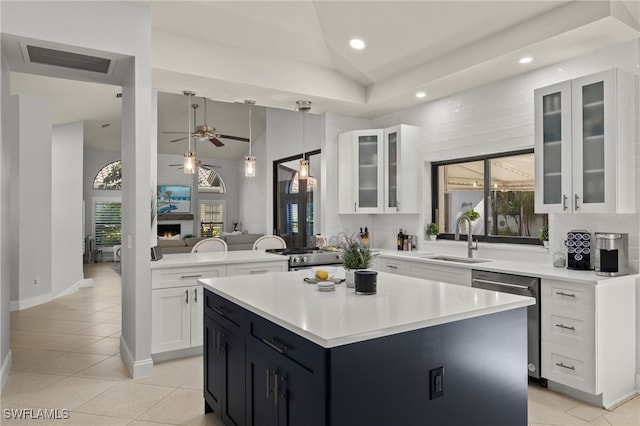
(432,231)
(544,235)
(355,255)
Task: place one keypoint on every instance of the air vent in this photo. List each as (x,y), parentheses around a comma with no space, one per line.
(76,61)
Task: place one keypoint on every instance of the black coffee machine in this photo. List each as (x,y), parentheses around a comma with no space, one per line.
(579,250)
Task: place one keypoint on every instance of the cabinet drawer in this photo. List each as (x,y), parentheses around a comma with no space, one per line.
(568,326)
(580,296)
(447,274)
(568,366)
(256,268)
(184,277)
(393,266)
(228,314)
(296,348)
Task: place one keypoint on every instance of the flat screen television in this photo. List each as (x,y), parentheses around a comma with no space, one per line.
(174,199)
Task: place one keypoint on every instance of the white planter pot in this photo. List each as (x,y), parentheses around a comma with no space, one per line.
(349,278)
(432,237)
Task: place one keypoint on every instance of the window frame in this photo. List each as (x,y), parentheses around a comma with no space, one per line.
(494,239)
(221,202)
(104,200)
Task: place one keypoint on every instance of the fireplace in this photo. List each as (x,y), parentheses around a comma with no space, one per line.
(168,230)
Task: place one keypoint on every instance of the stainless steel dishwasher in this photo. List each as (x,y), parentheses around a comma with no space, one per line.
(523,286)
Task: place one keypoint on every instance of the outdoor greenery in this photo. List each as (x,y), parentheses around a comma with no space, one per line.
(472,214)
(544,233)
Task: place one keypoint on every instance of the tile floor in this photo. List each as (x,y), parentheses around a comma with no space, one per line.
(66,356)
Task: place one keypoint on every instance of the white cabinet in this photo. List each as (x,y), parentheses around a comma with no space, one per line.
(425,270)
(584,150)
(379,171)
(588,337)
(393,266)
(401,170)
(257,268)
(177,318)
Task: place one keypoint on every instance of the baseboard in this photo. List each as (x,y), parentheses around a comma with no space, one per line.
(180,353)
(85,282)
(18,305)
(137,369)
(5,369)
(638,382)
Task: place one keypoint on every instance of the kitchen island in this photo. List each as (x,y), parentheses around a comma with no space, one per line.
(278,351)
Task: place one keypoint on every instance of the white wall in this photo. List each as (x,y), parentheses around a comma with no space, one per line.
(66,207)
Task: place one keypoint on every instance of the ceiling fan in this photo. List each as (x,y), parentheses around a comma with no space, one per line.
(204,131)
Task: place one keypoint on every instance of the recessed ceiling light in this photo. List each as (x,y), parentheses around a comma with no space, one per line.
(420,94)
(526,60)
(357,44)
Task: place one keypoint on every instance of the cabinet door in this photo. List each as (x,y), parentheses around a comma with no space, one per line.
(262,403)
(553,154)
(171,319)
(392,167)
(196,310)
(369,170)
(214,365)
(594,143)
(233,403)
(401,171)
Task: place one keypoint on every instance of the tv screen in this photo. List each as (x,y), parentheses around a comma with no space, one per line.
(174,199)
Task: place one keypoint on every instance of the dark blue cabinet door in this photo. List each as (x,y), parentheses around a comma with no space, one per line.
(214,365)
(233,411)
(262,408)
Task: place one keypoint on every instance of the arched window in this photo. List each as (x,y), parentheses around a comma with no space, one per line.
(109,177)
(210,181)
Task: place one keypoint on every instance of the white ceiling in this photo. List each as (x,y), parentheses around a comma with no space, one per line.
(277,52)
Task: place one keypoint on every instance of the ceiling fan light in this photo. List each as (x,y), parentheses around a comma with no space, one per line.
(250,166)
(189,163)
(303,169)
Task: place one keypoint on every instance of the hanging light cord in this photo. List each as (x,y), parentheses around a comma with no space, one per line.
(189,121)
(250,104)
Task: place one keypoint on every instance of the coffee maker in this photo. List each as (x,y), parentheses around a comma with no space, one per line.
(612,254)
(579,250)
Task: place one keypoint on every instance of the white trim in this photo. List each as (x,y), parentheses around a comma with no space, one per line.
(137,369)
(85,282)
(638,382)
(18,305)
(5,369)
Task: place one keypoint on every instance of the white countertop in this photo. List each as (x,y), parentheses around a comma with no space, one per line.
(337,318)
(198,259)
(533,269)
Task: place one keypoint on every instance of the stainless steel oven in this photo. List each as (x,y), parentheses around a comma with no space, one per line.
(523,286)
(305,258)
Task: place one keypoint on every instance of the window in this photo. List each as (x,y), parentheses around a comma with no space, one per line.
(496,192)
(211,218)
(210,181)
(107,223)
(109,177)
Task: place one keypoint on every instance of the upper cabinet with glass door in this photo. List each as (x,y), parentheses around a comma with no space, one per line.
(401,169)
(584,145)
(360,172)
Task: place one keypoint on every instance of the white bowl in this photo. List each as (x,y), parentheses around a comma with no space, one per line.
(323,273)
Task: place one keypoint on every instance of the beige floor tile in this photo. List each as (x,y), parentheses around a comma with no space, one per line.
(103,329)
(68,393)
(187,372)
(181,407)
(42,325)
(105,346)
(587,412)
(25,358)
(112,368)
(21,383)
(68,342)
(69,363)
(33,340)
(127,400)
(25,416)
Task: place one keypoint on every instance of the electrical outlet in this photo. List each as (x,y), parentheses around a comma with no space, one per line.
(436,383)
(36,281)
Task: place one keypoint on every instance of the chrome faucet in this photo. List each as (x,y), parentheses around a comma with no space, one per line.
(470,245)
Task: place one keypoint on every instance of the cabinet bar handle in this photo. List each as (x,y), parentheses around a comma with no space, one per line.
(568,367)
(355,208)
(392,266)
(575,201)
(268,382)
(272,344)
(258,271)
(191,276)
(564,201)
(566,327)
(562,293)
(186,296)
(217,341)
(195,295)
(275,391)
(218,311)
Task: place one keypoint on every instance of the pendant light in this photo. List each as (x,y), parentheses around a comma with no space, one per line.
(189,156)
(250,160)
(303,168)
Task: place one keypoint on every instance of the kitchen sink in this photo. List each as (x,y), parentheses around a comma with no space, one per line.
(455,259)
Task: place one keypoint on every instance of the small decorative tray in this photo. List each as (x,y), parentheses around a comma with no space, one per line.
(316,281)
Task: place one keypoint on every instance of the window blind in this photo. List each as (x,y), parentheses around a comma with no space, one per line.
(211,218)
(108,223)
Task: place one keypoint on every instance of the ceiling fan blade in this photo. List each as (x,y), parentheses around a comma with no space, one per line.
(181,139)
(210,166)
(235,138)
(217,142)
(177,133)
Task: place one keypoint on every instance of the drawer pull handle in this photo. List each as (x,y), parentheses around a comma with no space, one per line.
(191,276)
(219,311)
(195,295)
(562,293)
(186,296)
(392,266)
(272,344)
(568,367)
(258,271)
(268,383)
(275,391)
(566,327)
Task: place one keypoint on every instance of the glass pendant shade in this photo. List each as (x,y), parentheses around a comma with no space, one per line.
(303,169)
(250,166)
(189,163)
